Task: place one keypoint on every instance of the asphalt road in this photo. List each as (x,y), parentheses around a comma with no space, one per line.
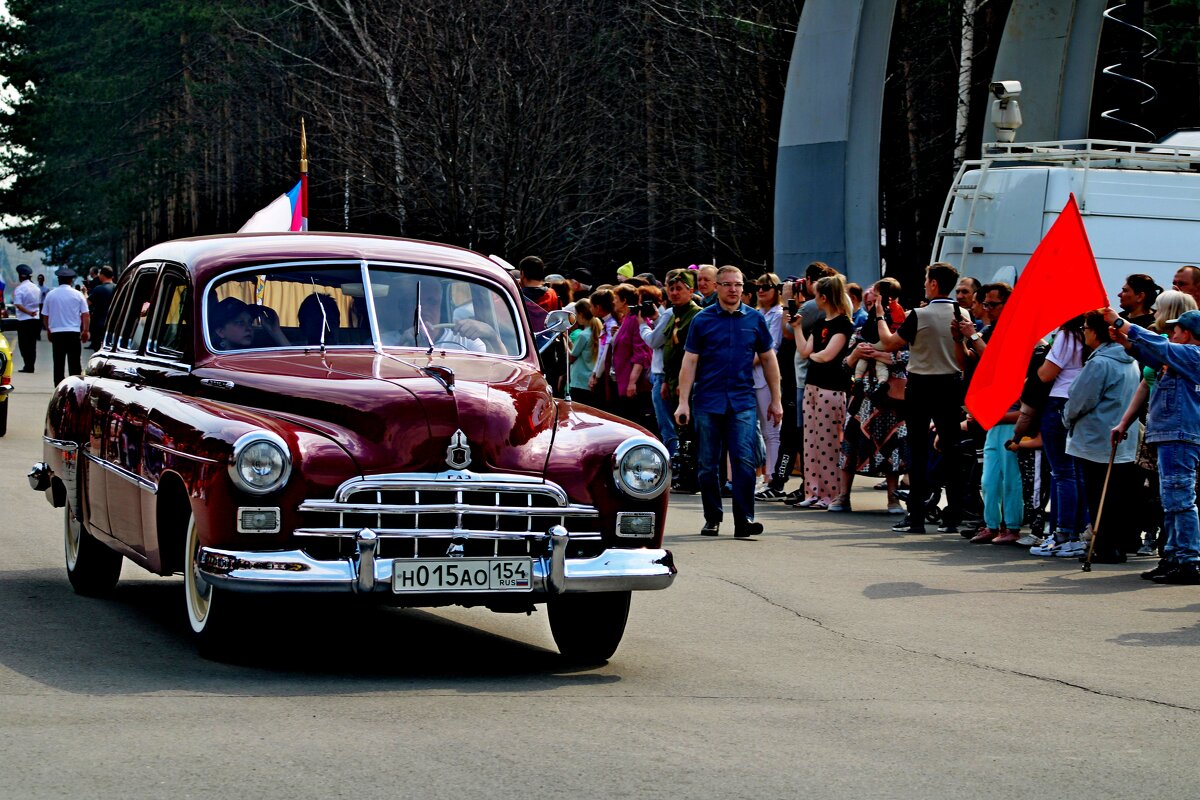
(830,658)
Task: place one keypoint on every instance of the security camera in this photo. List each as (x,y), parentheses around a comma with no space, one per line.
(1005,90)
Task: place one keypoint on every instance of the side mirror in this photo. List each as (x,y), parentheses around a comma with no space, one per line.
(558,321)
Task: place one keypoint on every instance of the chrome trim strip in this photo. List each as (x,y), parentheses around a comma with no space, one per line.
(136,480)
(372,317)
(330,506)
(451,480)
(296,571)
(181,454)
(365,266)
(435,533)
(65,445)
(147,359)
(6,389)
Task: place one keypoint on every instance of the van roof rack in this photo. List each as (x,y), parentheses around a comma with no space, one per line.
(1095,154)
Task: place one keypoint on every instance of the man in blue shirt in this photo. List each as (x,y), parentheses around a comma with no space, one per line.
(717,378)
(1173,426)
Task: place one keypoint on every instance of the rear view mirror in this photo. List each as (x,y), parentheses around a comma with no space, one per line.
(558,321)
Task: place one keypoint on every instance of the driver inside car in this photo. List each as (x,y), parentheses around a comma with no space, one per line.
(465,334)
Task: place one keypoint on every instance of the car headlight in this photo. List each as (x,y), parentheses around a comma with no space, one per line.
(642,467)
(261,462)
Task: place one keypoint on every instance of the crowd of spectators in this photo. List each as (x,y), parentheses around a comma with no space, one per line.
(817,378)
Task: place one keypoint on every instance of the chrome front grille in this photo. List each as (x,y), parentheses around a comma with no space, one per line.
(423,515)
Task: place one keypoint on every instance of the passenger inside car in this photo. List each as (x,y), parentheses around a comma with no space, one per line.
(312,320)
(232,324)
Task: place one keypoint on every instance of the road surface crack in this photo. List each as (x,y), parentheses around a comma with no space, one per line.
(950,659)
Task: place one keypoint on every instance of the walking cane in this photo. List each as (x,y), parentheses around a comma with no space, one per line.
(1087,564)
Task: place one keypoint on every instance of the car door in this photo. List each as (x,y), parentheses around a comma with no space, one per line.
(128,407)
(166,368)
(94,473)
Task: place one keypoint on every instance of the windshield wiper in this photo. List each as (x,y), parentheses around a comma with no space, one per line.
(324,318)
(419,323)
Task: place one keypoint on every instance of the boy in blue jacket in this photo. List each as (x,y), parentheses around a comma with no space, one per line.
(1173,426)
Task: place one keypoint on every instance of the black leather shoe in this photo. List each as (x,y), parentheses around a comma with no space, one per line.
(22,369)
(711,529)
(1182,575)
(747,529)
(1161,568)
(907,526)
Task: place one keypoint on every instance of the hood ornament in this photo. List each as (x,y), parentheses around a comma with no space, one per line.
(458,454)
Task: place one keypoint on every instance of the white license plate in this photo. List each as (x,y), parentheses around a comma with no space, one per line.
(462,575)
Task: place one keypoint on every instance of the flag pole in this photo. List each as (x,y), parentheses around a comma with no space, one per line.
(303,175)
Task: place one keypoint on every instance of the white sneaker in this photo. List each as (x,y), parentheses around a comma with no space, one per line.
(1030,540)
(1047,548)
(1071,550)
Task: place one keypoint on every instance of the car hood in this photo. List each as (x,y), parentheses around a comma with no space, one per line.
(391,415)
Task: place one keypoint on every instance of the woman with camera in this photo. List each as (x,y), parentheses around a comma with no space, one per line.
(825,395)
(630,360)
(874,440)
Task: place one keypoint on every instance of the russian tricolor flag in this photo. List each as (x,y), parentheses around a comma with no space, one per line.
(284,213)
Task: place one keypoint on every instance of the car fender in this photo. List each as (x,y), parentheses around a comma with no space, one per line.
(581,461)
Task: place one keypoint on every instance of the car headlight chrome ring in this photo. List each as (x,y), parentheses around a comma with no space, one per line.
(642,467)
(261,462)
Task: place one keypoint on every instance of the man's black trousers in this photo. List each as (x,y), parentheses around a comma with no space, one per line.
(27,339)
(66,348)
(937,399)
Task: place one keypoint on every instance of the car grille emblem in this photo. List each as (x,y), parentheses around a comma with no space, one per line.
(458,454)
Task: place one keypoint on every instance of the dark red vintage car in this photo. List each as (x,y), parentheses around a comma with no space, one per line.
(333,413)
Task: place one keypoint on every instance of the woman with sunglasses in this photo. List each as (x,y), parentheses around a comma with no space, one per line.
(770,306)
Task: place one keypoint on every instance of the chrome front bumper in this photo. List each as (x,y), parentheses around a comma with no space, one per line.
(613,570)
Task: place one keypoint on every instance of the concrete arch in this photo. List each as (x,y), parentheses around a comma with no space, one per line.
(1051,47)
(827,176)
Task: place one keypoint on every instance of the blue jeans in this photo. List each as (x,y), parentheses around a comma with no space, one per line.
(738,430)
(662,413)
(1070,509)
(1177,463)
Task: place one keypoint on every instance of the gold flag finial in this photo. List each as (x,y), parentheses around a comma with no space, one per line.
(303,148)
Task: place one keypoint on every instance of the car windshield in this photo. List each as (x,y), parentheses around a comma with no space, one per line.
(331,305)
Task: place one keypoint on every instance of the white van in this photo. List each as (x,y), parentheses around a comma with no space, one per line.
(1140,205)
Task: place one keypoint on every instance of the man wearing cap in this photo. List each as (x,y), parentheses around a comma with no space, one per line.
(28,300)
(1173,425)
(581,282)
(66,317)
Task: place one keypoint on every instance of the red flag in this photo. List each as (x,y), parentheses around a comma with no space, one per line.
(1059,282)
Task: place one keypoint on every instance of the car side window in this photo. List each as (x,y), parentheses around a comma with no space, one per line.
(171,335)
(133,326)
(115,314)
